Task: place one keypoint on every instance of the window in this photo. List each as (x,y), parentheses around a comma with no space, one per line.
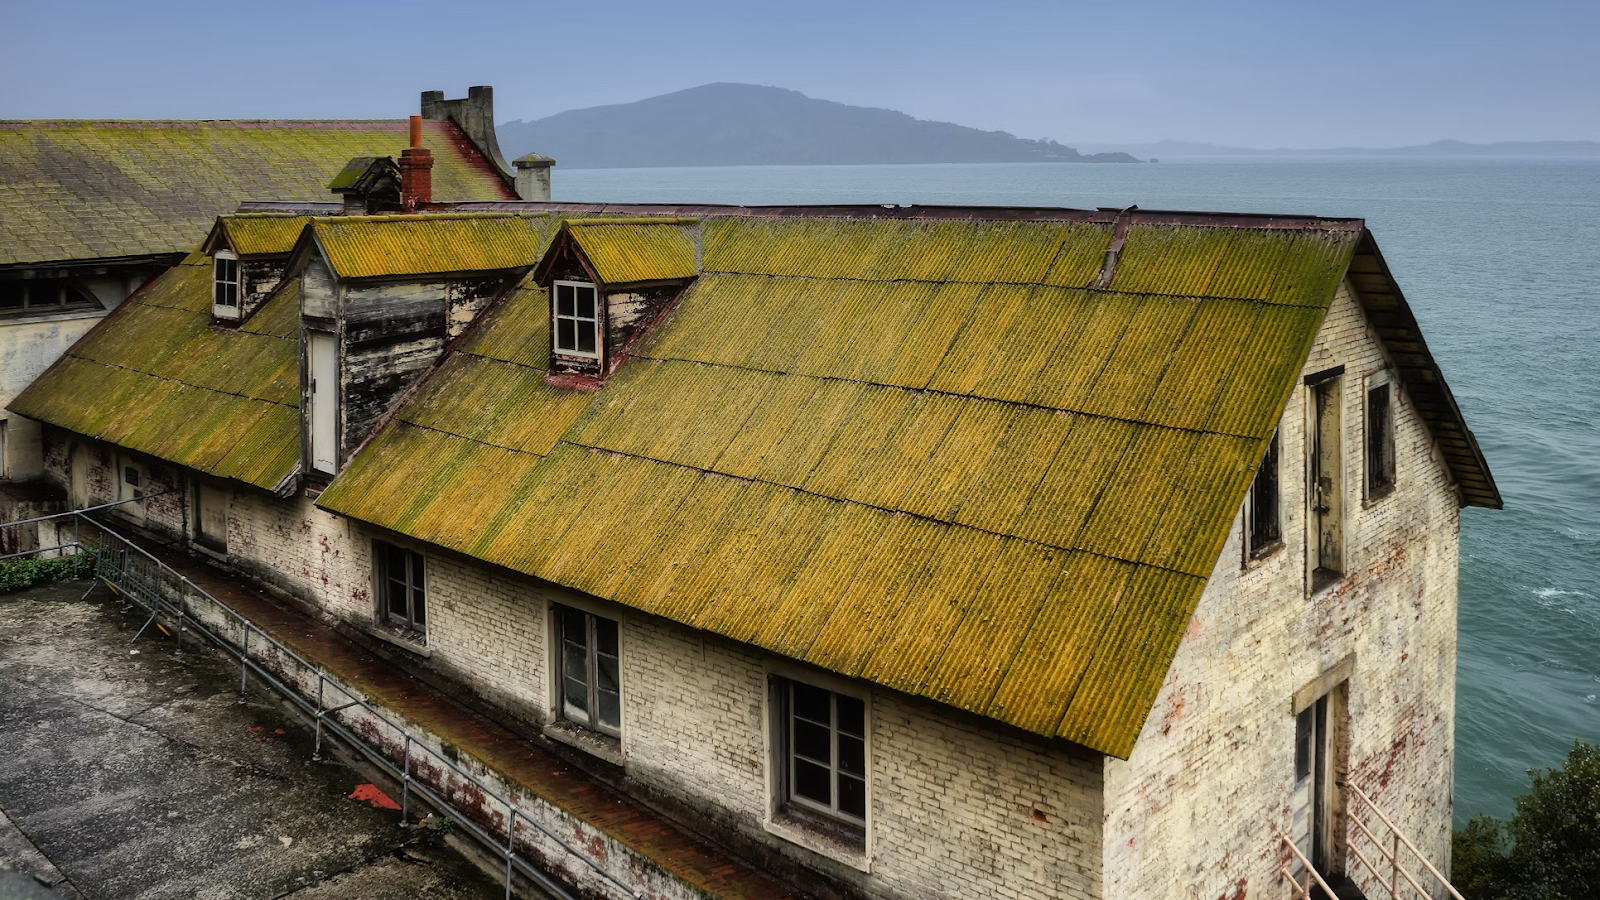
(23,297)
(1263,527)
(577,330)
(1380,442)
(402,587)
(824,752)
(226,267)
(590,677)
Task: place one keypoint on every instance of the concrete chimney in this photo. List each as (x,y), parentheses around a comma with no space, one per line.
(416,170)
(533,176)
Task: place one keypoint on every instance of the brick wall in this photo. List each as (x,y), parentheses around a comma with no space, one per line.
(1198,809)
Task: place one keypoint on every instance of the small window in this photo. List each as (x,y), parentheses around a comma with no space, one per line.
(590,675)
(227,281)
(402,587)
(824,752)
(1380,442)
(1263,526)
(577,319)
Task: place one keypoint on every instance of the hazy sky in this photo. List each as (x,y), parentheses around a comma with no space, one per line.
(1292,74)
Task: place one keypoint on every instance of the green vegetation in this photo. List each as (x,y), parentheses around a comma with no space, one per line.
(24,572)
(1549,850)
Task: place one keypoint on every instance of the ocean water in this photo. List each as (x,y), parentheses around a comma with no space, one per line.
(1500,259)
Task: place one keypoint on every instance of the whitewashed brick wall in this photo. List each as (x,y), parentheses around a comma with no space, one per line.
(1198,809)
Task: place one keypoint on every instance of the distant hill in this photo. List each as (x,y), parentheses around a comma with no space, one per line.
(748,125)
(1183,149)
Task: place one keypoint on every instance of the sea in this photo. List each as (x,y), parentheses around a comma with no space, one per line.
(1500,259)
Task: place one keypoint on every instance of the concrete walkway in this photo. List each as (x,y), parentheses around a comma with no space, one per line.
(129,771)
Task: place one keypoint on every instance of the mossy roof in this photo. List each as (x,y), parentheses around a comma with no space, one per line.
(156,377)
(429,244)
(625,252)
(76,190)
(929,454)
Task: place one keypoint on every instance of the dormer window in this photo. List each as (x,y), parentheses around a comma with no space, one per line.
(225,298)
(577,331)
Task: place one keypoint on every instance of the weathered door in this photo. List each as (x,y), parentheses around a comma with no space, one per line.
(211,519)
(79,481)
(1327,489)
(1309,803)
(322,366)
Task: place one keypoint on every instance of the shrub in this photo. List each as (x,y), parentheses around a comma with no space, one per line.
(1549,850)
(24,572)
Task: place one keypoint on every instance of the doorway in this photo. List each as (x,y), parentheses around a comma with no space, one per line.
(1327,483)
(211,517)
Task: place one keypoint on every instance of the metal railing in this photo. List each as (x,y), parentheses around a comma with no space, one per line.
(1391,854)
(137,577)
(1302,890)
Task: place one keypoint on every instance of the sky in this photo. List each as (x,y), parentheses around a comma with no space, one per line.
(1254,74)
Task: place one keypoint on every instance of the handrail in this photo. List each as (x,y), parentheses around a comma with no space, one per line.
(1394,856)
(116,578)
(1303,891)
(86,509)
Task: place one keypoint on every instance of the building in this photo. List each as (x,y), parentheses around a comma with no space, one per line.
(909,551)
(91,210)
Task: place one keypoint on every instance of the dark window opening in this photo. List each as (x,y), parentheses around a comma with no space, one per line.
(577,319)
(402,587)
(1380,442)
(824,751)
(1263,524)
(227,282)
(42,297)
(591,670)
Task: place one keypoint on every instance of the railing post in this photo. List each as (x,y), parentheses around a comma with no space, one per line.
(511,844)
(405,785)
(244,661)
(316,752)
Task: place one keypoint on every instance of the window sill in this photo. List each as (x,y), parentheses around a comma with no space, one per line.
(602,746)
(406,644)
(24,317)
(1257,558)
(836,842)
(1375,497)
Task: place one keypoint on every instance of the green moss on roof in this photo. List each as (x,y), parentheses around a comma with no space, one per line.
(378,246)
(155,377)
(88,189)
(624,252)
(251,234)
(921,453)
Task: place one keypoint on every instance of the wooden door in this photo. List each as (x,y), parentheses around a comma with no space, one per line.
(1309,801)
(211,519)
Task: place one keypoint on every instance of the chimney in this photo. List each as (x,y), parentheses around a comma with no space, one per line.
(416,171)
(533,176)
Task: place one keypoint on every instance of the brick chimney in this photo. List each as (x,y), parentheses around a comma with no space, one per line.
(416,170)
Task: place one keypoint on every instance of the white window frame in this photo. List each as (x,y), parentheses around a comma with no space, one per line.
(792,757)
(225,310)
(578,321)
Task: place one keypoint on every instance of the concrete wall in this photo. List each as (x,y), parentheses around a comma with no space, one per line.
(28,345)
(1199,808)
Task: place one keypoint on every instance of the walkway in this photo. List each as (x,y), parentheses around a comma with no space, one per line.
(134,772)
